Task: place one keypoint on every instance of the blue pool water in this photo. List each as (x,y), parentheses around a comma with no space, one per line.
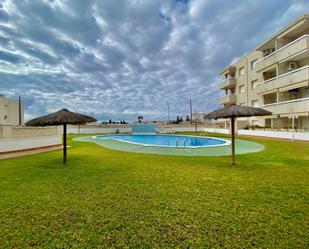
(167,140)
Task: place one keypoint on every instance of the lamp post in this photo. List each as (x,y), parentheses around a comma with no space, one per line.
(293,125)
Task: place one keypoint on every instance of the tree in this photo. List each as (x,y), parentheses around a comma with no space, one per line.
(140,118)
(188,118)
(110,121)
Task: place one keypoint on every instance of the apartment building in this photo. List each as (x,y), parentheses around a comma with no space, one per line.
(275,77)
(11,111)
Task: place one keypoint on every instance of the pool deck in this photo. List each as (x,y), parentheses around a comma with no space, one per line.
(242,147)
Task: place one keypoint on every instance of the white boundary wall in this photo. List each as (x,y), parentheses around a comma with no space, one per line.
(214,130)
(29,143)
(15,138)
(272,134)
(94,130)
(276,134)
(182,128)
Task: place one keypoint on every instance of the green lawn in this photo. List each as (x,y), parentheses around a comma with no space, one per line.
(104,198)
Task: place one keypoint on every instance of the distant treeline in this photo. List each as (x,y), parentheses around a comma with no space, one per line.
(114,122)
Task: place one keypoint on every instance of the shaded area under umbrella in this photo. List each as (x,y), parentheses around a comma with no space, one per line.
(235,111)
(61,117)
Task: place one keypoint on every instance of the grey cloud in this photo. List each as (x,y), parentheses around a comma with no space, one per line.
(116,59)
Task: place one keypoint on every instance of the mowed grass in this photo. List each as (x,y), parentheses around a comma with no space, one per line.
(106,199)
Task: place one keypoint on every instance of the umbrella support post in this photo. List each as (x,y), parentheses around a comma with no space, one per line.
(64,143)
(233,139)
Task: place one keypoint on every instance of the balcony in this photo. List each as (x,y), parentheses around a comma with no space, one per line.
(294,48)
(266,61)
(228,83)
(230,70)
(289,78)
(288,51)
(228,99)
(291,106)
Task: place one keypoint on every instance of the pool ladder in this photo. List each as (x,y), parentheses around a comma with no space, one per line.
(177,144)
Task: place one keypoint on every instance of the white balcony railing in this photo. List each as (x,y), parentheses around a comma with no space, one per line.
(293,48)
(295,76)
(228,99)
(289,106)
(304,37)
(228,83)
(286,102)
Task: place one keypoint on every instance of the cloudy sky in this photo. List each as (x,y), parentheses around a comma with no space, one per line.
(119,59)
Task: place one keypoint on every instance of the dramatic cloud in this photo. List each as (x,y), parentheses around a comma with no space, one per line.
(118,59)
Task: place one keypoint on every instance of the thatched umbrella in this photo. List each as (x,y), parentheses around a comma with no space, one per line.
(234,111)
(61,117)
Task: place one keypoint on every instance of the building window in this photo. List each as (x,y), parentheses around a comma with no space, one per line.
(255,103)
(241,89)
(254,83)
(5,117)
(253,64)
(241,71)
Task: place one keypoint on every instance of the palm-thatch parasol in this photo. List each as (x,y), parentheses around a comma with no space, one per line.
(234,111)
(61,117)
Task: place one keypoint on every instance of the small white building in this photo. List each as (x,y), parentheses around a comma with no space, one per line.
(198,116)
(11,111)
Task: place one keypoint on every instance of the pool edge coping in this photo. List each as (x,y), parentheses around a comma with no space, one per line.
(226,142)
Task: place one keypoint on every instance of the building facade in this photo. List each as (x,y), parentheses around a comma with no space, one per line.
(275,77)
(11,111)
(198,116)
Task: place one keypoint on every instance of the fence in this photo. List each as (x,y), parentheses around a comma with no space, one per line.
(144,128)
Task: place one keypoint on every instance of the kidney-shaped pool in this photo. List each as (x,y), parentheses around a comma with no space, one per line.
(167,140)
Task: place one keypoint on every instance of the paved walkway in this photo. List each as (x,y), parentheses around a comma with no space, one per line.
(30,152)
(242,147)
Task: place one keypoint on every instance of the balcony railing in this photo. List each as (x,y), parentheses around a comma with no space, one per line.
(228,99)
(266,61)
(228,83)
(290,106)
(289,78)
(293,48)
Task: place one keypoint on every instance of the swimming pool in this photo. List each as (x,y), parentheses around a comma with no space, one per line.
(167,140)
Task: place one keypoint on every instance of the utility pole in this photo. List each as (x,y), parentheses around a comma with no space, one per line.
(190,111)
(19,110)
(168,112)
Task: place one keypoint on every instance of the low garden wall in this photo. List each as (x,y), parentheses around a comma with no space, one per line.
(112,128)
(93,129)
(16,138)
(261,133)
